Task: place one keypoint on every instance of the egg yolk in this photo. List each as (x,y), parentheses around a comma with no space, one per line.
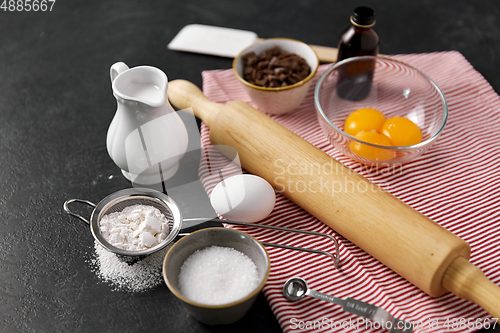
(366,119)
(401,131)
(369,152)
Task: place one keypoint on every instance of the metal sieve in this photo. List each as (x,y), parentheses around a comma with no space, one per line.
(117,201)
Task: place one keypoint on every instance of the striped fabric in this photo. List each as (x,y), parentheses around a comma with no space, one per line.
(456,183)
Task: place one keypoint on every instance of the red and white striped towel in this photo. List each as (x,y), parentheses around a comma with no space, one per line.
(456,183)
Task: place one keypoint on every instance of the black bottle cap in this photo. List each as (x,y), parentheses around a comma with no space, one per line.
(363,16)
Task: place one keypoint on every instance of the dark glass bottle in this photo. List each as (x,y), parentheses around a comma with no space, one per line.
(357,40)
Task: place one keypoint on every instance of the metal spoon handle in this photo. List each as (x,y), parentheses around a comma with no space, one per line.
(376,314)
(325,297)
(366,310)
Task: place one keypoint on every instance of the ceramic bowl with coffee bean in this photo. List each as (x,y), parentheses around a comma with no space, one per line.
(276,73)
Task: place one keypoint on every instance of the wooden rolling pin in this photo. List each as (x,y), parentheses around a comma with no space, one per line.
(417,248)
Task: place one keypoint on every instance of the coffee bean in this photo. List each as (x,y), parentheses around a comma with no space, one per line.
(274,68)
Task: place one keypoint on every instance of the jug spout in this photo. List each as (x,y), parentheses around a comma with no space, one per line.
(144,84)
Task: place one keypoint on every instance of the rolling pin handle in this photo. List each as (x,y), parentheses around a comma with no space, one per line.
(184,95)
(468,282)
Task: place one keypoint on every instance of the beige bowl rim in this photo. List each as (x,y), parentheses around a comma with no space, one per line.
(298,84)
(221,306)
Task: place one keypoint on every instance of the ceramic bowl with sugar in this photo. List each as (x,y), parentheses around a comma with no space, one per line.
(278,100)
(232,311)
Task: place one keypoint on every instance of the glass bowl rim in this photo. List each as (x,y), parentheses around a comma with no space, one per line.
(388,59)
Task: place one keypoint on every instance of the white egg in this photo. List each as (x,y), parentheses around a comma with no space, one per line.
(243,198)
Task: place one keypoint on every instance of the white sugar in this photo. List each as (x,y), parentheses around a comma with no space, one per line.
(217,275)
(140,276)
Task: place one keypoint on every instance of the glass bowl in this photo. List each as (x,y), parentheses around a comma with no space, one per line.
(390,86)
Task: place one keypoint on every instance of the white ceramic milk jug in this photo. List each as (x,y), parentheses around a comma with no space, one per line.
(146,138)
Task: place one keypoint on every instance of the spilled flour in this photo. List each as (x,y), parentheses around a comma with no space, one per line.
(140,276)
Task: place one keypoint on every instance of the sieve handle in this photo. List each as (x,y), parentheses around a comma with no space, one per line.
(335,257)
(66,208)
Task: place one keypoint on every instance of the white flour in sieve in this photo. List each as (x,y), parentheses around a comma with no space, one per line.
(137,227)
(141,276)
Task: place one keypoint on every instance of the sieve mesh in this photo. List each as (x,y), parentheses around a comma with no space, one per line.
(120,204)
(118,201)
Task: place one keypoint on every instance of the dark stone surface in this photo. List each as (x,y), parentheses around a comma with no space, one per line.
(56,105)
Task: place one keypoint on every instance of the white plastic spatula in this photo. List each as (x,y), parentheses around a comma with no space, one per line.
(227,42)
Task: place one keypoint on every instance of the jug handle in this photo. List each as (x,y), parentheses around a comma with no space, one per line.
(117,69)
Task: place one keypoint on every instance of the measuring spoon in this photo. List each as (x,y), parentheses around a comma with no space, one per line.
(296,288)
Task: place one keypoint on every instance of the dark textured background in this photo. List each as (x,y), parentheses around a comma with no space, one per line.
(56,105)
